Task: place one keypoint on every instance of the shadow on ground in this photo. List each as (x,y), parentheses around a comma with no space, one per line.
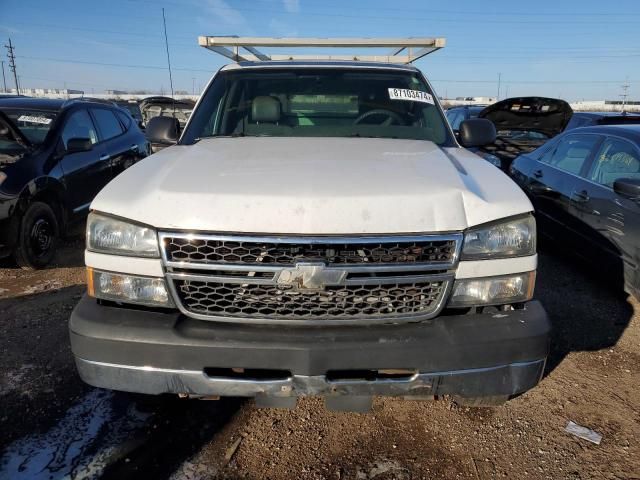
(588,308)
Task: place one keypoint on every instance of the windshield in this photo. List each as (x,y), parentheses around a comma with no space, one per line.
(319,103)
(34,124)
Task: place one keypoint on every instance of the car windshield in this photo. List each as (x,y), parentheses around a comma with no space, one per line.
(34,124)
(319,103)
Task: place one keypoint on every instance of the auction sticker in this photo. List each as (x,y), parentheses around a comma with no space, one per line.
(410,95)
(32,119)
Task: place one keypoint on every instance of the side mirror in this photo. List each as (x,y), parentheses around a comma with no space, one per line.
(163,130)
(76,145)
(627,187)
(476,132)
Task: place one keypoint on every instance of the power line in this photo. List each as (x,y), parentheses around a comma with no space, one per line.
(122,65)
(493,82)
(433,61)
(412,10)
(520,52)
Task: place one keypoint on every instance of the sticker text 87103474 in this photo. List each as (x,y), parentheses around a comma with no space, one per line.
(410,95)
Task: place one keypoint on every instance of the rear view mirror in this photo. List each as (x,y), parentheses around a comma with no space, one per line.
(476,132)
(163,130)
(627,187)
(76,145)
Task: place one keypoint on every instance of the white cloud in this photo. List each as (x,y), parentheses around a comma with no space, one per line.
(229,16)
(291,6)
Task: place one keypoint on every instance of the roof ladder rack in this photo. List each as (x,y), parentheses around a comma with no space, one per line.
(244,49)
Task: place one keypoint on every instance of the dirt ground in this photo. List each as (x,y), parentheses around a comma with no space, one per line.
(53,426)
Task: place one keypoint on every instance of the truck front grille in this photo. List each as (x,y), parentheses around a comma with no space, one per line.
(268,251)
(333,302)
(310,280)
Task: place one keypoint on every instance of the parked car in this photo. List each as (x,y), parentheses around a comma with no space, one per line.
(457,115)
(133,108)
(317,230)
(523,124)
(152,107)
(55,156)
(585,187)
(587,119)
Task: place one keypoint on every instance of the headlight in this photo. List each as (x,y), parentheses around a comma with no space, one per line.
(493,290)
(109,235)
(128,288)
(513,238)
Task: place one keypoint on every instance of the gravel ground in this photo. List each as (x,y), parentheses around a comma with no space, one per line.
(53,426)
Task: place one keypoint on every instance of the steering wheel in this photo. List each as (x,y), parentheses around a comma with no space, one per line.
(392,118)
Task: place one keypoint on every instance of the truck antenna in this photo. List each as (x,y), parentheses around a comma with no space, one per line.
(166,44)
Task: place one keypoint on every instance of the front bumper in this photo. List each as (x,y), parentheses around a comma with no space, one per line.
(154,352)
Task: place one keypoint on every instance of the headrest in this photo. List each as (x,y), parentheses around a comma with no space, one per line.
(265,109)
(579,152)
(623,162)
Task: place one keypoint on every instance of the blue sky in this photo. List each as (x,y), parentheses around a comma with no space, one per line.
(571,49)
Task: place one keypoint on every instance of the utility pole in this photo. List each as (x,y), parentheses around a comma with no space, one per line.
(193,85)
(624,93)
(4,80)
(499,79)
(12,64)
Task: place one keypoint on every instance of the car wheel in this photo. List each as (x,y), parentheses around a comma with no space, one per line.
(38,237)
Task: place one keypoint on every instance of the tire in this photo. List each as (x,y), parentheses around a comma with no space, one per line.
(492,401)
(38,237)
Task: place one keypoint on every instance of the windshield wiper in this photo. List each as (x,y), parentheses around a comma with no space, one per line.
(231,135)
(359,135)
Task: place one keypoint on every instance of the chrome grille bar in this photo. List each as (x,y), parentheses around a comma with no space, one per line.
(439,250)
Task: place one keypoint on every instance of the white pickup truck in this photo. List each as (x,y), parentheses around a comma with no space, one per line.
(316,229)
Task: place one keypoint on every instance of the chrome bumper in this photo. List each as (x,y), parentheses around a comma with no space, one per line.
(152,380)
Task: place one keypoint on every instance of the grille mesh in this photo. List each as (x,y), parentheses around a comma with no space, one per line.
(199,250)
(334,302)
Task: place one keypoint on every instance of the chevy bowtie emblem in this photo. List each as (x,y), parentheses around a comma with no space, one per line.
(310,276)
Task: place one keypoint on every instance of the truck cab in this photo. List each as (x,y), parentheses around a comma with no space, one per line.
(316,230)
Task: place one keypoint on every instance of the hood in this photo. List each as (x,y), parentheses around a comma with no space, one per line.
(545,115)
(312,186)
